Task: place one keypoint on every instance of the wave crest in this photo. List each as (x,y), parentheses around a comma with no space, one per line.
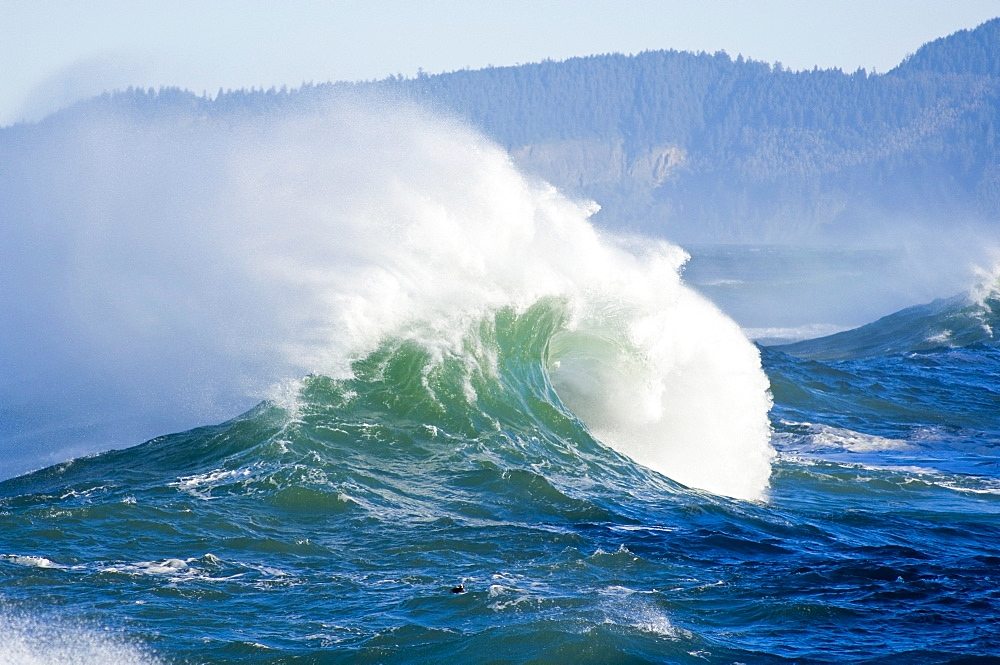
(237,253)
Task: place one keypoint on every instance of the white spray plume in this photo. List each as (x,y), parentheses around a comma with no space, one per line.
(46,640)
(198,262)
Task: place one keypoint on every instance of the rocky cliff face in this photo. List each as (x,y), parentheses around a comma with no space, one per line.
(585,164)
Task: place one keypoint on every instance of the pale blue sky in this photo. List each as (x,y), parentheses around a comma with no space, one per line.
(55,51)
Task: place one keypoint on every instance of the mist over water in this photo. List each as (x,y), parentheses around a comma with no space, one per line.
(172,272)
(782,293)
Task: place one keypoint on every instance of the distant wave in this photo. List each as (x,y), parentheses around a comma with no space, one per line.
(960,321)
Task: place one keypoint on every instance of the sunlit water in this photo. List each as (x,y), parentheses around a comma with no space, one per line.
(497,400)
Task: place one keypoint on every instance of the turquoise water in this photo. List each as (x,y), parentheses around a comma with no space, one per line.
(333,529)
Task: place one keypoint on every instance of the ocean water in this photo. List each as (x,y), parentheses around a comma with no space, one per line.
(489,434)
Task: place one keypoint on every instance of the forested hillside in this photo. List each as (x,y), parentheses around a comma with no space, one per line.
(707,147)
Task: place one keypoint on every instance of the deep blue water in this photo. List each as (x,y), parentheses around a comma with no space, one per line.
(334,529)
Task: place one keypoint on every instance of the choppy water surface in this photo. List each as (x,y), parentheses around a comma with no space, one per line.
(497,397)
(333,529)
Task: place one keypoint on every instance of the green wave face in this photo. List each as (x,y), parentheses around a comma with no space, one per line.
(407,424)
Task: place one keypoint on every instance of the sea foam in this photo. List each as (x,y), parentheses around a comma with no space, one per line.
(37,640)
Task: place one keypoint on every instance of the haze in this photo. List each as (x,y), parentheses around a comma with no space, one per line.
(57,51)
